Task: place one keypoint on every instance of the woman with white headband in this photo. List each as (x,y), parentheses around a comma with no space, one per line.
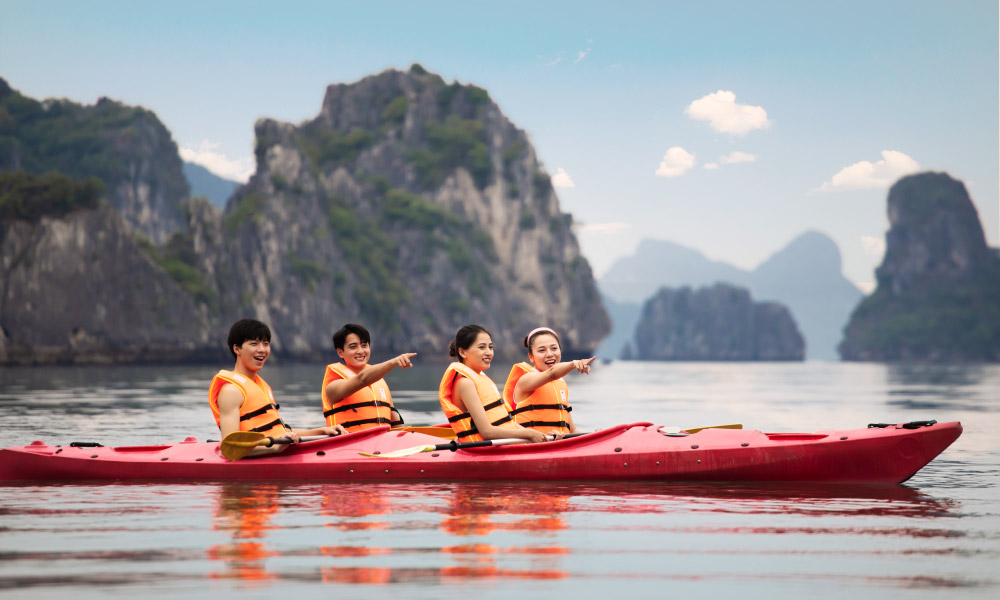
(537,390)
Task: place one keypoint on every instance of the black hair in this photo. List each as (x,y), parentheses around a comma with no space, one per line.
(540,331)
(245,330)
(464,338)
(340,336)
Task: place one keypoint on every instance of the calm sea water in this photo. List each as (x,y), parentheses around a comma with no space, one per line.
(937,536)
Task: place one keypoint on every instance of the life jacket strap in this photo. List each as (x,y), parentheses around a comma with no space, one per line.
(347,407)
(529,407)
(531,424)
(258,412)
(269,426)
(378,420)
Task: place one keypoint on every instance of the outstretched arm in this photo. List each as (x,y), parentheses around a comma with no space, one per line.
(342,388)
(530,382)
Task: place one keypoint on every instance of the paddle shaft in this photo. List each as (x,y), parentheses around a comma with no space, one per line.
(453,445)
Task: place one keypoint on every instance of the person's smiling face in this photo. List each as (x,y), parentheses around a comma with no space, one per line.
(479,355)
(545,352)
(355,353)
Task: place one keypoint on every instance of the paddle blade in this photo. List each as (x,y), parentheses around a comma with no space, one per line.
(446,433)
(733,426)
(402,452)
(238,444)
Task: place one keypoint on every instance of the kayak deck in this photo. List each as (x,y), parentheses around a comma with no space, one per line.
(639,451)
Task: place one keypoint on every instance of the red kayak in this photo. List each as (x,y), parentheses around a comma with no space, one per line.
(641,451)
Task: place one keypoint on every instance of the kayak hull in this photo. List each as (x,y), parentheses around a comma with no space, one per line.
(639,452)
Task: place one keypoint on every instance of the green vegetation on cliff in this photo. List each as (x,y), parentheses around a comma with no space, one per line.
(454,143)
(30,197)
(80,141)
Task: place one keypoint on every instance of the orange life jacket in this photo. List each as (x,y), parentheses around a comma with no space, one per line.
(368,407)
(497,410)
(546,409)
(258,412)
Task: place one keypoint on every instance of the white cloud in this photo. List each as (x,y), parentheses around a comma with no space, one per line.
(868,175)
(239,169)
(874,246)
(710,166)
(865,286)
(562,179)
(677,161)
(736,157)
(554,63)
(582,54)
(604,228)
(725,115)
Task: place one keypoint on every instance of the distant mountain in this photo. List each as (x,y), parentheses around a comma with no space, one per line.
(805,276)
(206,183)
(717,323)
(938,294)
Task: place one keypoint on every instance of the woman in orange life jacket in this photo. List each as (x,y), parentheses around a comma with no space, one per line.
(537,390)
(242,401)
(470,399)
(355,394)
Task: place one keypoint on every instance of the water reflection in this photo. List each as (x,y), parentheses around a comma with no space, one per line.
(536,514)
(245,513)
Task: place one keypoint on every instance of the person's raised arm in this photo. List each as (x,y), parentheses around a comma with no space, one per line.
(466,390)
(530,382)
(342,388)
(230,400)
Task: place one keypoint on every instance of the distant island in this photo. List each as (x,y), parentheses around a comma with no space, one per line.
(805,276)
(717,323)
(938,287)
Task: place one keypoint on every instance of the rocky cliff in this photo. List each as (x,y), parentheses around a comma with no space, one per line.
(938,294)
(126,147)
(408,204)
(718,323)
(75,286)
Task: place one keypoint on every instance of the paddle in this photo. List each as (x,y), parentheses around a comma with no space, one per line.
(442,432)
(453,446)
(238,444)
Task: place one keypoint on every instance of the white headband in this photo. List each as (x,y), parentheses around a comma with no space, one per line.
(539,329)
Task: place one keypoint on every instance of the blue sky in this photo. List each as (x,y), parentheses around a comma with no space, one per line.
(730,127)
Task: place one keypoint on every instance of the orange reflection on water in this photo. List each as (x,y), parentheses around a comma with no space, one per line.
(245,512)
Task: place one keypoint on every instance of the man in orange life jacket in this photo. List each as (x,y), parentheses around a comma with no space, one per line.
(242,401)
(355,394)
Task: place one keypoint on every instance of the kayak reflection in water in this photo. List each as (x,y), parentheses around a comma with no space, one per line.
(536,391)
(470,400)
(355,394)
(242,401)
(245,512)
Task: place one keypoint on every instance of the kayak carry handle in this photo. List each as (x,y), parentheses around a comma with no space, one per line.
(86,445)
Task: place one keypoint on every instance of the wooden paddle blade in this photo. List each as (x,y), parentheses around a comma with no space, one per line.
(238,444)
(402,452)
(446,433)
(697,429)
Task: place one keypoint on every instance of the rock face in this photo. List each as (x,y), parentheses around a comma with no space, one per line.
(805,276)
(79,289)
(409,205)
(126,147)
(718,323)
(412,206)
(938,294)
